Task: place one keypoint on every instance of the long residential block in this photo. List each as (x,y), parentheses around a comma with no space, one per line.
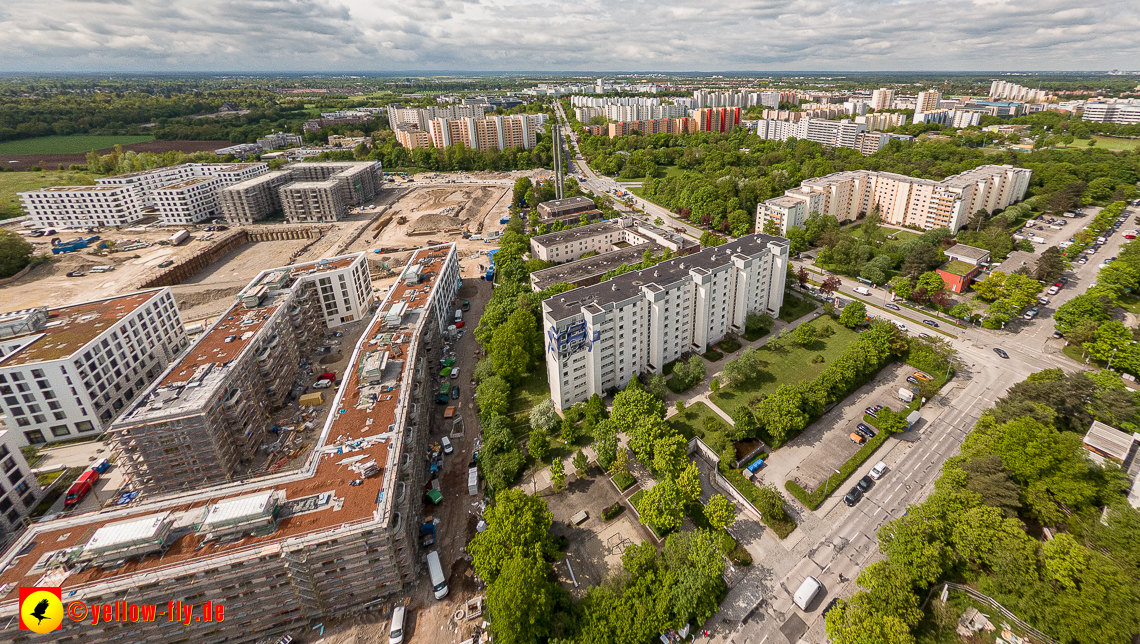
(599,337)
(68,372)
(901,200)
(204,419)
(281,552)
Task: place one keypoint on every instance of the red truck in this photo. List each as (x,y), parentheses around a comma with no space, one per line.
(80,488)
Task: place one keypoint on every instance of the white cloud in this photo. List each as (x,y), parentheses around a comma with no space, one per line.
(541,35)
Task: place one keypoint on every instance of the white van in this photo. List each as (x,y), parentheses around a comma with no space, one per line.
(396,629)
(862,290)
(446,442)
(879,470)
(807,592)
(438,581)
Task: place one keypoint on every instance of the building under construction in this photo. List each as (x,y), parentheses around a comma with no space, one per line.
(202,422)
(281,552)
(305,192)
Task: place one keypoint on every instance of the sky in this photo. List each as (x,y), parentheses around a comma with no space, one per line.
(537,35)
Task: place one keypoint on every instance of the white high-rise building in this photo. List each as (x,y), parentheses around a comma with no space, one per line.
(1124,113)
(911,201)
(599,337)
(68,372)
(842,133)
(882,99)
(1000,90)
(789,210)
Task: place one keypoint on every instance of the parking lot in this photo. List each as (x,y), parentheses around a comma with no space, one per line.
(826,444)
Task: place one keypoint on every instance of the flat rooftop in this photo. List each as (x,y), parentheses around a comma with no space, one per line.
(364,426)
(581,232)
(628,285)
(186,183)
(323,266)
(958,267)
(585,268)
(69,328)
(63,189)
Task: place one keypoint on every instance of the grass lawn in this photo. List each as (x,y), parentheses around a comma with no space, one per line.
(51,497)
(47,478)
(795,307)
(712,355)
(78,144)
(15,182)
(786,366)
(532,391)
(691,422)
(1074,352)
(901,235)
(728,345)
(1130,303)
(624,480)
(1108,142)
(636,497)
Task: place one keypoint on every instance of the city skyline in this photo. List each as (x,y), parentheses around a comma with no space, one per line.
(318,35)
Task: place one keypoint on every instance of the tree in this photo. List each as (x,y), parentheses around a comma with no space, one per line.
(595,410)
(990,288)
(802,276)
(643,437)
(493,397)
(714,386)
(521,601)
(1087,306)
(522,186)
(514,344)
(720,513)
(669,455)
(689,484)
(771,503)
(902,286)
(538,445)
(515,521)
(744,367)
(661,507)
(931,282)
(830,285)
(988,477)
(605,442)
(919,259)
(633,405)
(657,386)
(15,253)
(781,414)
(849,623)
(620,464)
(804,335)
(557,474)
(543,416)
(580,463)
(1050,265)
(854,314)
(1111,337)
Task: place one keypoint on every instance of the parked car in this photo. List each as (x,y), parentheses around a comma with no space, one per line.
(872,412)
(879,470)
(865,483)
(455,373)
(853,496)
(454,392)
(922,375)
(1042,300)
(893,307)
(1053,290)
(1001,353)
(75,273)
(901,326)
(1058,335)
(1083,260)
(863,429)
(912,380)
(930,323)
(856,438)
(923,335)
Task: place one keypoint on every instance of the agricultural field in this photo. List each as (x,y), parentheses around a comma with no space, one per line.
(78,144)
(12,183)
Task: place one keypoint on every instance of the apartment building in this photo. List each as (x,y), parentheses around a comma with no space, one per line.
(306,192)
(20,490)
(189,201)
(204,419)
(411,137)
(722,119)
(928,101)
(599,337)
(332,119)
(1013,92)
(68,372)
(584,114)
(123,199)
(420,117)
(603,237)
(910,201)
(882,120)
(338,141)
(842,133)
(81,206)
(882,99)
(278,140)
(788,211)
(1121,112)
(683,125)
(282,551)
(493,132)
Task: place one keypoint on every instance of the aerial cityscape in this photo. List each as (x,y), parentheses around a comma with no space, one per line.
(435,326)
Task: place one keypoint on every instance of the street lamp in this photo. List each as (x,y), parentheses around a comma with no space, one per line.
(826,489)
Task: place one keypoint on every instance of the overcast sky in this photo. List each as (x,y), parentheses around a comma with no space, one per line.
(536,35)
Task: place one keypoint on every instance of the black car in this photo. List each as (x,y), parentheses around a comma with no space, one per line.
(1001,353)
(893,307)
(853,496)
(871,411)
(865,430)
(865,483)
(930,323)
(455,392)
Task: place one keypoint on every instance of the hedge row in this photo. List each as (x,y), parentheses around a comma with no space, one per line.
(814,499)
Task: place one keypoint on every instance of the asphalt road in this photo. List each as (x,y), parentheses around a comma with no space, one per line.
(600,184)
(837,541)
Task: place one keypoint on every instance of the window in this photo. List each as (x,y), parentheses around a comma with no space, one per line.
(60,430)
(84,426)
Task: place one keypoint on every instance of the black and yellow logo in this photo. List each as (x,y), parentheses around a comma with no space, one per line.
(41,609)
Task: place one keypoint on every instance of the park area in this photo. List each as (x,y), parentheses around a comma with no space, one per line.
(81,143)
(792,363)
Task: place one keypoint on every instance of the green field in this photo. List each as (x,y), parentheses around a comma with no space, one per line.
(1109,143)
(532,391)
(79,144)
(15,182)
(786,366)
